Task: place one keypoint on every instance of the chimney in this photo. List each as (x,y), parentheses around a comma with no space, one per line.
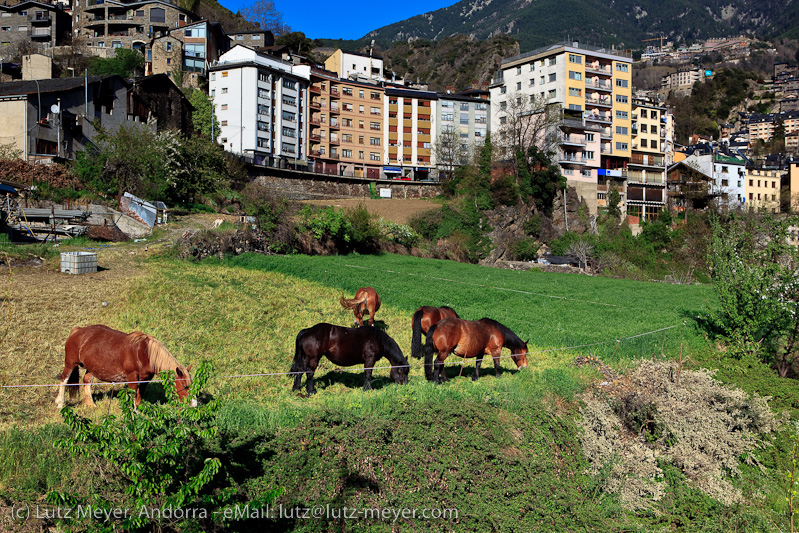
(576,44)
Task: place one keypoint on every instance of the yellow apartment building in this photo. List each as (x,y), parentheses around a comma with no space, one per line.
(646,170)
(763,189)
(409,133)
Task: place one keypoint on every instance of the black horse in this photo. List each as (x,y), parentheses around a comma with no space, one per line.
(346,347)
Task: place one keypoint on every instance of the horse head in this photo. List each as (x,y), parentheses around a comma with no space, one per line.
(520,358)
(183,383)
(400,374)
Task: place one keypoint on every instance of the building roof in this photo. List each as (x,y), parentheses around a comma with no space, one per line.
(373,56)
(53,85)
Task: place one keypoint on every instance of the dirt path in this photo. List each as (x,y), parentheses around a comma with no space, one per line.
(395,210)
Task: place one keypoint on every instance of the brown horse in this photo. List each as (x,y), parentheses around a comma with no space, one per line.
(346,347)
(366,301)
(470,338)
(114,356)
(423,319)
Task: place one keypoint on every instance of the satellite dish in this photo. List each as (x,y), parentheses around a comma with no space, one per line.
(55,108)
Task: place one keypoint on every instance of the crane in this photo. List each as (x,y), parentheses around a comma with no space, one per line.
(656,39)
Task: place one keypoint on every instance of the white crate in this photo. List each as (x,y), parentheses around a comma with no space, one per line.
(78,262)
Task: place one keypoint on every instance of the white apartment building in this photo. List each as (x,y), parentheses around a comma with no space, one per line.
(463,120)
(261,103)
(356,66)
(728,174)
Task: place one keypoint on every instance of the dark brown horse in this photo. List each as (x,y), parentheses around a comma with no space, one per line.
(346,347)
(366,301)
(470,338)
(114,356)
(423,319)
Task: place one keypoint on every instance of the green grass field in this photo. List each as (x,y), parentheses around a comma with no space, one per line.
(503,451)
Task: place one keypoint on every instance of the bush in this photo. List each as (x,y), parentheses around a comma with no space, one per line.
(525,250)
(532,226)
(398,233)
(427,223)
(350,230)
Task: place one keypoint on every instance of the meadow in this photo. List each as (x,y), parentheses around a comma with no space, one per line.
(503,451)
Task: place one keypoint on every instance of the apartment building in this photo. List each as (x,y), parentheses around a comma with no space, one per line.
(727,173)
(763,189)
(408,138)
(346,126)
(761,127)
(462,123)
(646,171)
(44,24)
(681,82)
(108,24)
(355,66)
(189,49)
(262,104)
(590,89)
(251,39)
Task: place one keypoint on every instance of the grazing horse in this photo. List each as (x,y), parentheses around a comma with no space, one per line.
(346,347)
(470,338)
(423,319)
(114,356)
(366,300)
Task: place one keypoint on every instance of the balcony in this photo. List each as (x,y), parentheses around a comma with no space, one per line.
(570,159)
(603,70)
(334,141)
(40,33)
(335,94)
(599,86)
(606,135)
(599,102)
(644,160)
(662,134)
(39,18)
(315,105)
(335,126)
(603,119)
(571,140)
(335,109)
(315,138)
(315,153)
(606,149)
(315,122)
(333,155)
(314,89)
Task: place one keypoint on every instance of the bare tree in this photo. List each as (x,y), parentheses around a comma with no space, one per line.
(446,151)
(528,120)
(583,251)
(265,15)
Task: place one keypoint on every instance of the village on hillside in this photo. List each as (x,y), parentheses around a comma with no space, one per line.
(349,116)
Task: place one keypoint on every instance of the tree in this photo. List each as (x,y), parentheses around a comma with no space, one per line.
(538,178)
(126,63)
(203,116)
(528,121)
(614,203)
(265,15)
(297,42)
(446,152)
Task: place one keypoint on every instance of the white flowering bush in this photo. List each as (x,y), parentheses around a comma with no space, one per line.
(754,267)
(398,233)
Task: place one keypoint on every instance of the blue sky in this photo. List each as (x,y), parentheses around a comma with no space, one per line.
(343,20)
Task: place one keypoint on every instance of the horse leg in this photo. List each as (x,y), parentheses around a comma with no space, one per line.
(367,378)
(496,362)
(66,376)
(309,388)
(477,364)
(87,392)
(297,382)
(439,368)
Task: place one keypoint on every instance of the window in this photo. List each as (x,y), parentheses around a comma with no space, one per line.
(262,142)
(374,95)
(532,66)
(643,143)
(347,91)
(621,83)
(374,110)
(552,93)
(168,46)
(589,137)
(347,106)
(374,141)
(256,37)
(725,169)
(263,77)
(622,67)
(518,86)
(518,70)
(360,154)
(654,129)
(118,44)
(588,155)
(621,147)
(157,14)
(289,132)
(263,93)
(263,109)
(518,102)
(480,107)
(725,183)
(503,120)
(574,58)
(263,126)
(464,106)
(575,75)
(621,130)
(374,156)
(464,119)
(447,117)
(224,140)
(224,107)
(532,82)
(643,128)
(5,28)
(139,12)
(224,122)
(503,105)
(360,139)
(374,126)
(346,152)
(552,61)
(288,148)
(224,73)
(575,92)
(346,122)
(503,90)
(621,98)
(288,84)
(289,100)
(622,114)
(552,77)
(289,116)
(543,80)
(360,124)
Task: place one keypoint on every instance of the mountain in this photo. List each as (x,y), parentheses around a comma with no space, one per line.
(622,23)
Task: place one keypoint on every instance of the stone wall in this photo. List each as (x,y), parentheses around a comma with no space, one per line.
(298,185)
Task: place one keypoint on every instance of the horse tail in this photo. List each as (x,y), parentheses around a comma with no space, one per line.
(416,334)
(74,378)
(299,354)
(428,353)
(350,303)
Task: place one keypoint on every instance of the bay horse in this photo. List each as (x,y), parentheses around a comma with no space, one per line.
(470,338)
(366,301)
(346,347)
(423,319)
(114,356)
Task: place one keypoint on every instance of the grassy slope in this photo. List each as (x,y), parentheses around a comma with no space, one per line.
(504,452)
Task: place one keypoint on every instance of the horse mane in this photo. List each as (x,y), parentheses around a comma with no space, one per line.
(511,340)
(392,350)
(159,356)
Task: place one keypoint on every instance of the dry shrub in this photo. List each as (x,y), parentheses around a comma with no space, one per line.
(699,425)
